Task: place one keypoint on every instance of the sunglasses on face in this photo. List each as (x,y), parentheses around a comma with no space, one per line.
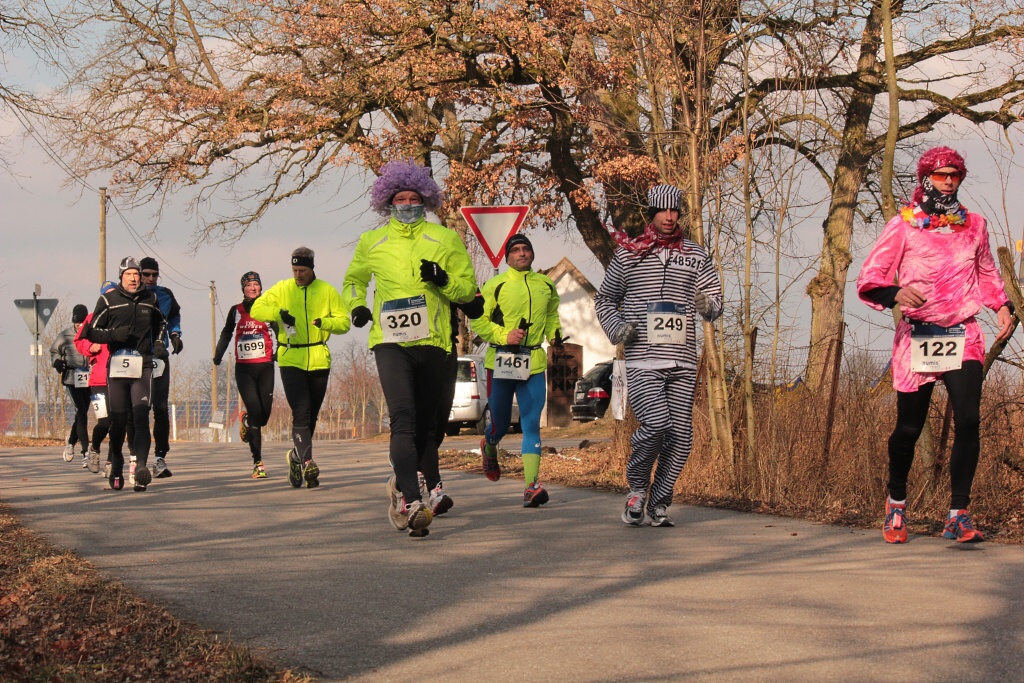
(151,273)
(942,176)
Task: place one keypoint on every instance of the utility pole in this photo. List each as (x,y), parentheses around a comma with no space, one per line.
(103,235)
(213,352)
(35,408)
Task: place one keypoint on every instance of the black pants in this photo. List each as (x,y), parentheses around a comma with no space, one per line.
(305,391)
(80,428)
(124,397)
(412,379)
(964,389)
(99,432)
(256,385)
(161,414)
(446,396)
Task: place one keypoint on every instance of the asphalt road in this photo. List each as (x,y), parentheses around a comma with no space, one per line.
(320,581)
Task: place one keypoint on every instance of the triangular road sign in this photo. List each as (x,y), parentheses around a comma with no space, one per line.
(493,225)
(31,308)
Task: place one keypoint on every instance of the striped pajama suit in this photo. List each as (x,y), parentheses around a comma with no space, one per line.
(661,377)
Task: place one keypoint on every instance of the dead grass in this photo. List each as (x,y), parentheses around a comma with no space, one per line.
(61,621)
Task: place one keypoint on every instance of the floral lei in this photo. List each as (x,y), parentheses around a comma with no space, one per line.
(946,222)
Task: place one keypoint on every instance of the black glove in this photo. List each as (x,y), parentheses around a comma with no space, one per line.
(176,343)
(473,309)
(159,350)
(316,322)
(217,360)
(558,342)
(120,334)
(60,366)
(433,273)
(287,318)
(361,315)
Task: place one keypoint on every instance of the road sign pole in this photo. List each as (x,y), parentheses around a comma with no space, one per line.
(35,410)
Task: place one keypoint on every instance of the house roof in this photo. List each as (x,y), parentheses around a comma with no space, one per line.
(565,267)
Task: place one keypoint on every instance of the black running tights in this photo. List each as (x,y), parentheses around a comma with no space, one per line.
(256,385)
(80,396)
(964,389)
(305,391)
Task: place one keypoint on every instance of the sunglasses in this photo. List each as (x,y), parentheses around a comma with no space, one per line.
(150,273)
(942,176)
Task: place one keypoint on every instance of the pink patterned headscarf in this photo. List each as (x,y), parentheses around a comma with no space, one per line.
(936,157)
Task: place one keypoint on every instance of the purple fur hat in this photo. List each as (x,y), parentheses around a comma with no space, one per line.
(398,176)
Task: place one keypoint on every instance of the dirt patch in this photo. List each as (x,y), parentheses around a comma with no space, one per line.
(29,442)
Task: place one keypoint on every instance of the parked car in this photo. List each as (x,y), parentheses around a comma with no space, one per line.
(470,408)
(593,393)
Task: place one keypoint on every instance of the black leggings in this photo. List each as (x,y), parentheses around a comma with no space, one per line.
(446,395)
(161,413)
(412,378)
(964,389)
(99,432)
(256,385)
(126,396)
(80,428)
(305,391)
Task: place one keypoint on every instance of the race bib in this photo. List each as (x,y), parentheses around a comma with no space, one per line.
(666,323)
(125,365)
(99,405)
(81,377)
(512,365)
(158,368)
(936,349)
(404,320)
(250,347)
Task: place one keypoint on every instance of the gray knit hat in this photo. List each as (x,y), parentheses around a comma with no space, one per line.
(127,263)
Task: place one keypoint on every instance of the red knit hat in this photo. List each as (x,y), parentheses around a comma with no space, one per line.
(937,157)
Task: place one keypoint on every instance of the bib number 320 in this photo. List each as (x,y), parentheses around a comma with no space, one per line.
(403,320)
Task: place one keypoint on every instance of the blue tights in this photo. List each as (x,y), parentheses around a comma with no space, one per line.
(530,394)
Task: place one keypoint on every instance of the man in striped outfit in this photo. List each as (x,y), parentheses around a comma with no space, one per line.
(652,292)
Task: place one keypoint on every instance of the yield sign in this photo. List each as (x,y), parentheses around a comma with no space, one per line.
(36,311)
(493,225)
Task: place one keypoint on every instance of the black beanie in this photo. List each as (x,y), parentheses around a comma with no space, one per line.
(79,313)
(149,263)
(518,238)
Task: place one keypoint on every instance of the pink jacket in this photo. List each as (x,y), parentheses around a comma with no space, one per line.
(97,361)
(954,272)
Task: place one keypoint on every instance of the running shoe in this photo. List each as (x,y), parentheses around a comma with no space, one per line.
(633,514)
(535,496)
(69,453)
(142,478)
(259,471)
(243,427)
(160,470)
(439,501)
(894,528)
(659,516)
(116,482)
(424,491)
(131,471)
(94,461)
(962,529)
(85,461)
(492,470)
(106,469)
(311,473)
(294,469)
(397,511)
(419,518)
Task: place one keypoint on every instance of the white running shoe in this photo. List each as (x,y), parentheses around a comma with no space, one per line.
(633,514)
(439,501)
(69,452)
(131,471)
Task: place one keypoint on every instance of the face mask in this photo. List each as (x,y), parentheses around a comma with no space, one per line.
(407,213)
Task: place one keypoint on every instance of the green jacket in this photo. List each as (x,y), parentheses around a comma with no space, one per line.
(392,255)
(520,294)
(307,348)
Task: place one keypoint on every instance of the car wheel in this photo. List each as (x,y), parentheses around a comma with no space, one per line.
(452,429)
(485,422)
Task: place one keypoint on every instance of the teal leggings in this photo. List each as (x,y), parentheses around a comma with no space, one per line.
(530,394)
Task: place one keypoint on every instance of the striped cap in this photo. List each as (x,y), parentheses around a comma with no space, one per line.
(664,197)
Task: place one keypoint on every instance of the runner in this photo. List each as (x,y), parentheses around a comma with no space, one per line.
(74,370)
(520,313)
(254,367)
(939,254)
(309,311)
(99,358)
(128,320)
(419,268)
(162,372)
(651,291)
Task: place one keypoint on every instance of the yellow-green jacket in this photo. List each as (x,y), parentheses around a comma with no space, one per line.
(392,255)
(510,297)
(307,348)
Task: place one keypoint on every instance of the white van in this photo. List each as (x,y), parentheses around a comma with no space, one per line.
(470,409)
